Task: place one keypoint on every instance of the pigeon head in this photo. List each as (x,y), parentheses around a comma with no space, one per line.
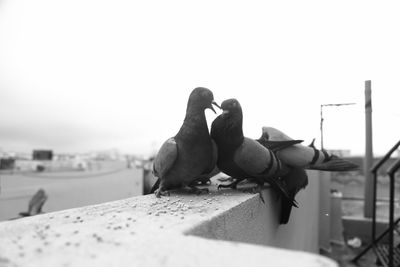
(202,98)
(226,129)
(231,107)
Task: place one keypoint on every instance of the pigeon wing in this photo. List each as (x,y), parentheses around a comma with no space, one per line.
(251,157)
(165,158)
(278,145)
(275,140)
(273,134)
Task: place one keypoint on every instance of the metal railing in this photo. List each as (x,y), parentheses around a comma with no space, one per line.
(391,172)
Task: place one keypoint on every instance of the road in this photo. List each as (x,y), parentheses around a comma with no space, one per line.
(68,189)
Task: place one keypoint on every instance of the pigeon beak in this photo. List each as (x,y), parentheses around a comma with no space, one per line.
(215,104)
(225,111)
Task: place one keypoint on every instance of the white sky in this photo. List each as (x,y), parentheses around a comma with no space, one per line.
(89,75)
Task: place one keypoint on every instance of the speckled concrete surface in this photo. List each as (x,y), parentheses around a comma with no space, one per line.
(140,231)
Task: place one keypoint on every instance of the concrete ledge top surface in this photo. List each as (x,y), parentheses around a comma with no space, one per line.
(139,231)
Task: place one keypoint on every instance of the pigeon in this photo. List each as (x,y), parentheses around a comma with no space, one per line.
(243,158)
(298,155)
(35,204)
(191,153)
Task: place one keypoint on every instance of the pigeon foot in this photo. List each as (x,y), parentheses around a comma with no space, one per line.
(231,185)
(160,193)
(202,182)
(198,191)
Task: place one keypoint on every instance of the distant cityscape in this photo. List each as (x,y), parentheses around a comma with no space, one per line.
(43,180)
(48,160)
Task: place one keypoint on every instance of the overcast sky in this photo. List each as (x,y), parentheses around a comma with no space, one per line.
(88,75)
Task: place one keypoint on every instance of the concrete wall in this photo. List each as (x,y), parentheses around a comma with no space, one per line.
(180,230)
(324,211)
(255,222)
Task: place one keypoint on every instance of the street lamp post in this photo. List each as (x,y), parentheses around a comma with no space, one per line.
(322,118)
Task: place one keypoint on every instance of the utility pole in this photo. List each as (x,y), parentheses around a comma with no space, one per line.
(368,188)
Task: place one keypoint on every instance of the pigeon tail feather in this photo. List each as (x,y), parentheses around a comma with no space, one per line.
(335,164)
(286,210)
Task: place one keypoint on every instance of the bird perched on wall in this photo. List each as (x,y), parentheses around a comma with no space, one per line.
(285,158)
(242,157)
(191,152)
(297,157)
(35,204)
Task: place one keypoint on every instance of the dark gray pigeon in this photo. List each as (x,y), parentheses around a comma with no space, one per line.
(190,153)
(242,157)
(297,157)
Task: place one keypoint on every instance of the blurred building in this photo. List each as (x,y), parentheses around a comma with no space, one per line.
(42,155)
(7,163)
